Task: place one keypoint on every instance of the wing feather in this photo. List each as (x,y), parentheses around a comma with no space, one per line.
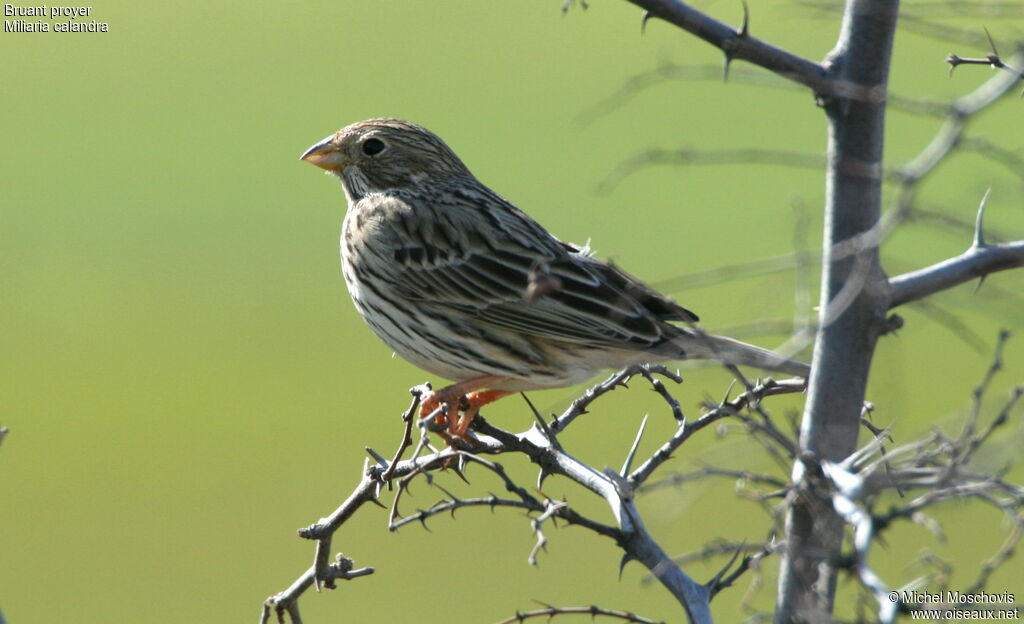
(457,266)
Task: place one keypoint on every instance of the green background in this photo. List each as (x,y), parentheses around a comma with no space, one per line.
(186,381)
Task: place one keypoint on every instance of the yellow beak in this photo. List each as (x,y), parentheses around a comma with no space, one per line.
(325,155)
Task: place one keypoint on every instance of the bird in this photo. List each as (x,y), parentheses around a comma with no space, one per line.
(460,282)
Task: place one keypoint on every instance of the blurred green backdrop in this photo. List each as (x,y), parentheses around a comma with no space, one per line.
(186,381)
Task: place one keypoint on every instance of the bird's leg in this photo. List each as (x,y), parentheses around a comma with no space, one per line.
(474,401)
(452,395)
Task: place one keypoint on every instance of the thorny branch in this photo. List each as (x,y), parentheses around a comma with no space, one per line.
(859,283)
(579,407)
(667,70)
(549,612)
(991,59)
(978,261)
(737,43)
(937,466)
(950,137)
(764,389)
(981,259)
(921,475)
(418,393)
(541,446)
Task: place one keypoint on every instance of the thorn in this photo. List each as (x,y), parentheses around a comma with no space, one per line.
(452,497)
(979,227)
(742,33)
(543,425)
(380,458)
(459,466)
(429,478)
(632,450)
(953,61)
(644,17)
(713,584)
(892,324)
(991,43)
(541,476)
(728,391)
(977,287)
(626,558)
(377,502)
(565,10)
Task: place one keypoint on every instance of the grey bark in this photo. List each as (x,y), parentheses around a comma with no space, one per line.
(846,337)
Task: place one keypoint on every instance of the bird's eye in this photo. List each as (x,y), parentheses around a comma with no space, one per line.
(372,147)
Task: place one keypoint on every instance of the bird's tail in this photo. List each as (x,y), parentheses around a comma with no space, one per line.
(739,353)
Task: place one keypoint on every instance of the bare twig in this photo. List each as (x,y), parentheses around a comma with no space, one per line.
(739,44)
(704,472)
(978,261)
(285,602)
(418,393)
(743,270)
(725,578)
(767,388)
(957,328)
(685,156)
(648,372)
(992,60)
(667,70)
(580,405)
(593,611)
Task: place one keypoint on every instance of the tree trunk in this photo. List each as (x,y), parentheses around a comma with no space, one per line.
(854,300)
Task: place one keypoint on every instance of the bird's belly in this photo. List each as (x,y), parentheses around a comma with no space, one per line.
(429,342)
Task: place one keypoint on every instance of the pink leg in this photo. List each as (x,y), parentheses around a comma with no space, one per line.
(476,400)
(453,394)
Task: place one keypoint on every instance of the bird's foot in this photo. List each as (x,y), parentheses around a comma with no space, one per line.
(459,404)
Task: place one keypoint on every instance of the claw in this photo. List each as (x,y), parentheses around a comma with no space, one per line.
(445,404)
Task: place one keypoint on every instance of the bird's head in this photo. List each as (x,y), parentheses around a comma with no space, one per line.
(384,154)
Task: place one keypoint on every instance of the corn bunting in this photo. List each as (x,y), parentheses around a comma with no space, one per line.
(460,282)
